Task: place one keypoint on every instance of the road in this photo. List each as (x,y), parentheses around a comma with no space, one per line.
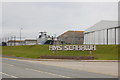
(16,68)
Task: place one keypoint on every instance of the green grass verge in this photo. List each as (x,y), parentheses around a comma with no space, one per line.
(0,50)
(103,52)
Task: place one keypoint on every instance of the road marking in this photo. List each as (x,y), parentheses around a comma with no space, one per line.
(9,75)
(47,73)
(8,64)
(41,71)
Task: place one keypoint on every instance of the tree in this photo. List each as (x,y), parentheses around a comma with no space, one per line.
(4,44)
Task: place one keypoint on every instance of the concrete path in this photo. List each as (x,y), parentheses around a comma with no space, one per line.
(110,68)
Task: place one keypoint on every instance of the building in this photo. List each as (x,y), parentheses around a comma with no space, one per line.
(72,37)
(104,32)
(21,42)
(30,42)
(15,42)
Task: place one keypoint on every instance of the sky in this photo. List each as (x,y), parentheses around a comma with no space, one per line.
(53,17)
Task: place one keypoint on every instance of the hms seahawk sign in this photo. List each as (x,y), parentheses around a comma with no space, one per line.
(73,47)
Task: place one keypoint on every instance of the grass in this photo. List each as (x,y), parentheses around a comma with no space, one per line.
(0,50)
(103,52)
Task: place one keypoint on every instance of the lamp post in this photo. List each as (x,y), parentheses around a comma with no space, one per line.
(54,42)
(14,40)
(20,34)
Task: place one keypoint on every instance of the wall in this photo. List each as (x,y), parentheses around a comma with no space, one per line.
(15,44)
(72,37)
(105,36)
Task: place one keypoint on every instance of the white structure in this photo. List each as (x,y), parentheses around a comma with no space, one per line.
(15,42)
(30,42)
(21,42)
(104,32)
(42,38)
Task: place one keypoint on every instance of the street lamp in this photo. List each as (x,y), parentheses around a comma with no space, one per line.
(20,34)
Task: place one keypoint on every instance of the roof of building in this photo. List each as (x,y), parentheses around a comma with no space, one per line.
(104,24)
(69,32)
(16,41)
(30,40)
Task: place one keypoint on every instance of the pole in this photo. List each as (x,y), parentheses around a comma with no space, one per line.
(90,51)
(11,41)
(54,43)
(73,37)
(14,40)
(2,39)
(107,36)
(20,35)
(115,35)
(5,39)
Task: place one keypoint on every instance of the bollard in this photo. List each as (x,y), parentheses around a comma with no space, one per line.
(90,52)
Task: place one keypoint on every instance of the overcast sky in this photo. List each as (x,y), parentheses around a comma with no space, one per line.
(54,18)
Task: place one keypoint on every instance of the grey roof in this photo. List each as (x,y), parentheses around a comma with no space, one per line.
(104,24)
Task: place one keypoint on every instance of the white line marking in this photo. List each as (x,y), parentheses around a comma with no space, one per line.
(15,59)
(9,75)
(8,64)
(41,71)
(31,61)
(37,70)
(47,73)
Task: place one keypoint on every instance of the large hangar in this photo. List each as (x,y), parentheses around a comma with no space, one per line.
(104,32)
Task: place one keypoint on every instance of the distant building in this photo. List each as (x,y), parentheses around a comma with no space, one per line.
(15,42)
(21,42)
(72,37)
(104,32)
(30,42)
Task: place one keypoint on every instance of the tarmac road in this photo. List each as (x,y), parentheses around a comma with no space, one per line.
(16,68)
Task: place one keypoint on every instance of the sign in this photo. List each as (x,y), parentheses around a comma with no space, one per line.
(73,47)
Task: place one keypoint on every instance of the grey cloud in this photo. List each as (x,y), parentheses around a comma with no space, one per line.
(55,18)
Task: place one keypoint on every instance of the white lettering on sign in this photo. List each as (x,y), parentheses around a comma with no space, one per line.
(73,47)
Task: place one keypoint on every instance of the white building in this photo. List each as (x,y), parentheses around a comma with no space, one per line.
(30,42)
(15,42)
(21,42)
(104,32)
